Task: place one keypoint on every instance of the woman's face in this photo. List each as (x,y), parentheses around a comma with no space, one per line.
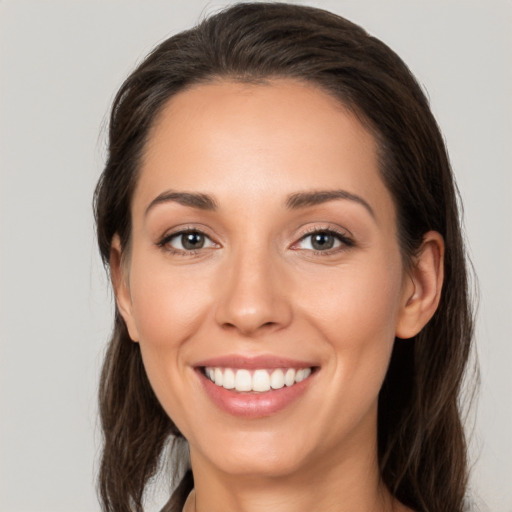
(264,251)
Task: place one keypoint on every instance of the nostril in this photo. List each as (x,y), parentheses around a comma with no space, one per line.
(250,306)
(249,329)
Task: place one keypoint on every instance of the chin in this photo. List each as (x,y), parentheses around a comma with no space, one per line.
(261,465)
(255,454)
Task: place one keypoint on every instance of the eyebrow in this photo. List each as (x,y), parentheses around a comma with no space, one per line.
(294,201)
(194,200)
(305,199)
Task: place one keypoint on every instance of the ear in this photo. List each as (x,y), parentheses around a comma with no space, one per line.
(422,289)
(121,285)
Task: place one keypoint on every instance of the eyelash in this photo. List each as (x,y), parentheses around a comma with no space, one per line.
(166,239)
(345,241)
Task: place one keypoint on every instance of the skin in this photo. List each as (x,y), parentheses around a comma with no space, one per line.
(258,288)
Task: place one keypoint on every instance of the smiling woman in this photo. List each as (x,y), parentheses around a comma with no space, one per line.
(280,221)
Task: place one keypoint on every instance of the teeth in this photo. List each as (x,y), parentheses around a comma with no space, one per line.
(277,379)
(260,380)
(228,381)
(289,378)
(243,380)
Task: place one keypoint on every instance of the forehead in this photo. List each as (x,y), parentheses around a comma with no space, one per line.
(275,138)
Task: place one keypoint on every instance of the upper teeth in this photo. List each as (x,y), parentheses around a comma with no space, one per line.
(258,380)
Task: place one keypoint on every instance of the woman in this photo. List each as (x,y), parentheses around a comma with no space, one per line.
(280,222)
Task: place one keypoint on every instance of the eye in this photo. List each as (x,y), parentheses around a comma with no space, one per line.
(323,241)
(187,241)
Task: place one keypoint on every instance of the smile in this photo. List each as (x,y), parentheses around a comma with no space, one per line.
(258,386)
(258,380)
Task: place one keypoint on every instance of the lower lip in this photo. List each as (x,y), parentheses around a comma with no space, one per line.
(253,404)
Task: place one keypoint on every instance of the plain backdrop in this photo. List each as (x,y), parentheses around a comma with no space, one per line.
(61,62)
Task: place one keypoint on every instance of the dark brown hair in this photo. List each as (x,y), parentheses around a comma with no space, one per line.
(422,450)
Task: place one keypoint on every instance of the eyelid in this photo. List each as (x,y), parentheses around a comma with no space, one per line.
(344,237)
(163,242)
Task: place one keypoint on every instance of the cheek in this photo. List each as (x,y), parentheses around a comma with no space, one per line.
(357,304)
(356,314)
(167,306)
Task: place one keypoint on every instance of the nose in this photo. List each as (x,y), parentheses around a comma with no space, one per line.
(254,298)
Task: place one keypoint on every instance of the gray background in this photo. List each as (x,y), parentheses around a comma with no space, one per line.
(61,62)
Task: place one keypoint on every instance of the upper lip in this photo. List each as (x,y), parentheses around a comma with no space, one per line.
(254,362)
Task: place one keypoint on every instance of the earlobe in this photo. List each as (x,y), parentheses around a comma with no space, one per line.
(121,286)
(422,292)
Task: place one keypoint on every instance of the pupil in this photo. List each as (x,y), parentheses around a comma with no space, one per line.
(192,240)
(322,241)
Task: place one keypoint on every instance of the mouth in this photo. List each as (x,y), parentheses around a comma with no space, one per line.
(255,387)
(260,380)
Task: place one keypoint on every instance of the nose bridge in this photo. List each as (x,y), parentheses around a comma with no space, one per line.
(253,296)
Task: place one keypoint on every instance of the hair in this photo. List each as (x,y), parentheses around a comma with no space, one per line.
(421,442)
